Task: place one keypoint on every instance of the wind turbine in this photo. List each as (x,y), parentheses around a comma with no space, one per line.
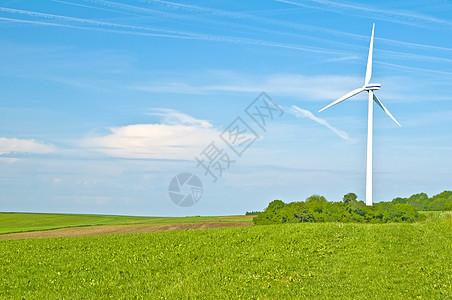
(370,88)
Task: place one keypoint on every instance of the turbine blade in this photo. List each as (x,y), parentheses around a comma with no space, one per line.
(385,110)
(369,58)
(345,97)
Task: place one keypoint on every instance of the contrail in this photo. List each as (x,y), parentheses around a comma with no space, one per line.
(243,16)
(160,32)
(415,69)
(90,22)
(238,15)
(299,112)
(91,7)
(396,16)
(97,29)
(126,7)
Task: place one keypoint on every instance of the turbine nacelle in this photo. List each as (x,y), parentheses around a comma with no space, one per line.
(372,86)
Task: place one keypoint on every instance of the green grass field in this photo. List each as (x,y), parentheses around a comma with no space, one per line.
(22,222)
(289,261)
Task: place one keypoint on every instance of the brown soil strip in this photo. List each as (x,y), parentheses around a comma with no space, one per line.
(117,229)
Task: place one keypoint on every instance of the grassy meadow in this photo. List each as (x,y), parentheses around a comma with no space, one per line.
(289,261)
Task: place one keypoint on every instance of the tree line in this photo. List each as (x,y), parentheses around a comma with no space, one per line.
(317,209)
(440,202)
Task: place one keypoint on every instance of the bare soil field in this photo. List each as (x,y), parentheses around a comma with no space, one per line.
(118,229)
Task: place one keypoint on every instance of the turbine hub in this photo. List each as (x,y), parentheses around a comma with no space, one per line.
(372,86)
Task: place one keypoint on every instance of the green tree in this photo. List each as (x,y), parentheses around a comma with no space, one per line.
(271,215)
(275,205)
(419,201)
(317,198)
(287,214)
(448,207)
(399,200)
(406,212)
(349,197)
(303,212)
(437,204)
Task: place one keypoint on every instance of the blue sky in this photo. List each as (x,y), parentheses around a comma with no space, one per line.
(104,102)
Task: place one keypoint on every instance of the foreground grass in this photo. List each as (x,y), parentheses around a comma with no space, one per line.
(290,261)
(23,222)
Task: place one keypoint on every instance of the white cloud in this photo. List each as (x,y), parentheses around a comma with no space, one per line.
(14,145)
(299,112)
(179,136)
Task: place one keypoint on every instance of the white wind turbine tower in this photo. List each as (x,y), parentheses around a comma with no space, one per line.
(369,87)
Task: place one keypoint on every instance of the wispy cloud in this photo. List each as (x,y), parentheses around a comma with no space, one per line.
(178,137)
(14,145)
(8,160)
(303,113)
(300,86)
(57,180)
(173,117)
